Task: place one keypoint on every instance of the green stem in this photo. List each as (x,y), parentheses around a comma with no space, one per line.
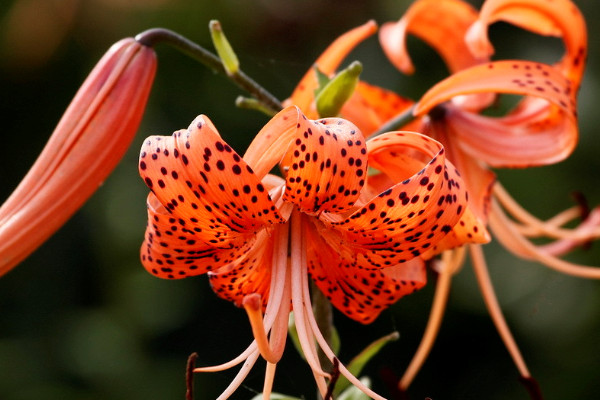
(253,104)
(154,36)
(396,122)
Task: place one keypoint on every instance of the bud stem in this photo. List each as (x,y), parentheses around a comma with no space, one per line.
(153,36)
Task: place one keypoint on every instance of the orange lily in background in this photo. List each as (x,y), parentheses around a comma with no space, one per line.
(541,130)
(87,144)
(259,236)
(370,106)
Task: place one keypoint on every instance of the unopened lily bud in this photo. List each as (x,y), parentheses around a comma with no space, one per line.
(90,139)
(224,49)
(338,90)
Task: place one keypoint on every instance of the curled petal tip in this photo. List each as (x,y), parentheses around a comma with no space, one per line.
(478,42)
(391,38)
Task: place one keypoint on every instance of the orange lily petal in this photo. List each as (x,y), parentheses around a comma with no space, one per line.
(560,18)
(326,165)
(250,273)
(440,23)
(353,287)
(327,63)
(479,179)
(371,106)
(542,130)
(202,181)
(271,143)
(469,229)
(172,251)
(86,145)
(404,221)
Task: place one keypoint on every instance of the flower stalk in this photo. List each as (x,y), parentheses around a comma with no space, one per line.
(154,36)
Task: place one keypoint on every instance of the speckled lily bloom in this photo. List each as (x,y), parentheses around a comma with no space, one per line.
(541,130)
(259,236)
(87,144)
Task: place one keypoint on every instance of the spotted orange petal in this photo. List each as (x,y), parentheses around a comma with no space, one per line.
(477,177)
(426,201)
(371,106)
(326,165)
(542,130)
(303,95)
(203,182)
(172,251)
(250,273)
(560,18)
(442,24)
(354,288)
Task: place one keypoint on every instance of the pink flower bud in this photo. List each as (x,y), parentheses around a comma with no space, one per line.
(87,144)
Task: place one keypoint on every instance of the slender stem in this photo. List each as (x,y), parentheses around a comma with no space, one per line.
(253,104)
(399,120)
(154,36)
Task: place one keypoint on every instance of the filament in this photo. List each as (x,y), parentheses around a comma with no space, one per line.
(491,302)
(308,314)
(298,302)
(451,260)
(535,227)
(508,235)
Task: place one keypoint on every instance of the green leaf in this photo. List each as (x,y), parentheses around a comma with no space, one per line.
(338,90)
(357,364)
(354,393)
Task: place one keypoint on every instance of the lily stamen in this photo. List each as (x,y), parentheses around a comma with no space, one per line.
(449,265)
(491,302)
(507,234)
(534,227)
(252,304)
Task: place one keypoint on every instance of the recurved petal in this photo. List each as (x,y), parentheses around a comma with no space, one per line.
(426,201)
(478,178)
(351,285)
(172,251)
(371,106)
(542,130)
(560,18)
(442,24)
(327,63)
(325,165)
(549,136)
(469,229)
(205,185)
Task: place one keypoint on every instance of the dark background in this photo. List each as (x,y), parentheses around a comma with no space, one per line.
(81,319)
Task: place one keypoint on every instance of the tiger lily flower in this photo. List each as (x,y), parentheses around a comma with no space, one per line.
(259,237)
(87,144)
(541,130)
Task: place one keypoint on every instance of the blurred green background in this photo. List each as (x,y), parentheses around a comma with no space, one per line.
(81,319)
